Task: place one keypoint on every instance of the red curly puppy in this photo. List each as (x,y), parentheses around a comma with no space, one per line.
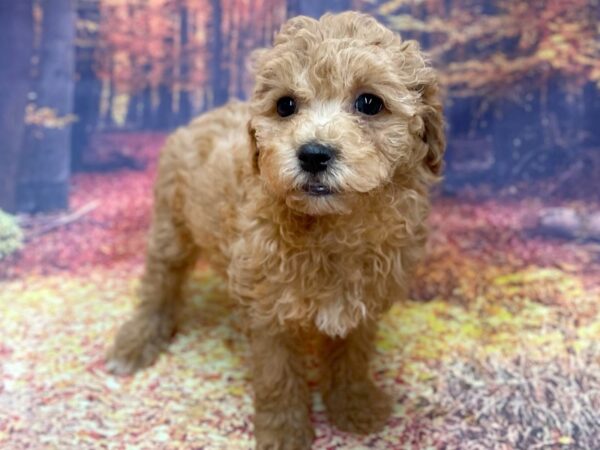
(310,200)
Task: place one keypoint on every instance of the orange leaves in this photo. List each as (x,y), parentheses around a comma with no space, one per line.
(46,117)
(572,48)
(476,47)
(134,39)
(497,71)
(167,43)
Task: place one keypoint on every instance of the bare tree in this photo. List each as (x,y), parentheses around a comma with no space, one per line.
(219,75)
(16,43)
(185,104)
(88,87)
(45,164)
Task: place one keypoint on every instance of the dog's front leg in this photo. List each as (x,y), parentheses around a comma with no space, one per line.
(282,413)
(352,400)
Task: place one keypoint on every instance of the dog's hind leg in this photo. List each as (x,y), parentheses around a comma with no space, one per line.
(170,256)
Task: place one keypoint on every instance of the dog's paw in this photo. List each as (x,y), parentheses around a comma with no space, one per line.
(138,344)
(294,438)
(360,407)
(283,429)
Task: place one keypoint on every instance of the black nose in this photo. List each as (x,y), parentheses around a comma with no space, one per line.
(315,157)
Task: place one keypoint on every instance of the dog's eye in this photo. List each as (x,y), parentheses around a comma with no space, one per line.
(286,106)
(368,104)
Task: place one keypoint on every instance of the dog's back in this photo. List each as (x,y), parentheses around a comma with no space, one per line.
(201,171)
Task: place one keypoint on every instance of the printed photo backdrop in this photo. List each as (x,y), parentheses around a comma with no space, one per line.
(497,346)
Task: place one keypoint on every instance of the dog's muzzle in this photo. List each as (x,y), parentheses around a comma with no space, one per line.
(314,160)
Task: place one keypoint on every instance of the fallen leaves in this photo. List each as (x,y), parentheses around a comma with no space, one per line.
(496,349)
(112,233)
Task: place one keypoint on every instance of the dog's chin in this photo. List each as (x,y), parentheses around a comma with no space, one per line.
(317,199)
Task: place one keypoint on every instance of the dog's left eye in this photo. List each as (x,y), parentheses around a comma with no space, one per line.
(368,104)
(286,106)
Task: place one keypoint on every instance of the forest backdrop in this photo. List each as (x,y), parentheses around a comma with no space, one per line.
(498,344)
(521,80)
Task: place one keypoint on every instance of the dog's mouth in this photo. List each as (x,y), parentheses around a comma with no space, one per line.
(316,189)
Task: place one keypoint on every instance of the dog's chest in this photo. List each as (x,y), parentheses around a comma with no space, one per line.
(331,279)
(342,289)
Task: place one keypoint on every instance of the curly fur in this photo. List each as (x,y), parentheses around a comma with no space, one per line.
(229,190)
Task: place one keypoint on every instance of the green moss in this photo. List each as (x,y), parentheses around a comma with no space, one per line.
(11,235)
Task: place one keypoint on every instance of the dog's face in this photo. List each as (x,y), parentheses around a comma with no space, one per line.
(342,107)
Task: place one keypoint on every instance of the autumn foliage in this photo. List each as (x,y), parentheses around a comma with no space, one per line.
(505,47)
(158,55)
(497,345)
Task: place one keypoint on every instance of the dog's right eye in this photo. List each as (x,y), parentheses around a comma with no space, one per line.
(286,106)
(368,104)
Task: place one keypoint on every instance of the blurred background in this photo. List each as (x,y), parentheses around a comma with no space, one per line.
(498,346)
(521,81)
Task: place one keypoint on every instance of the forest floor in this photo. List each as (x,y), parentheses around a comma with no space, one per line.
(498,348)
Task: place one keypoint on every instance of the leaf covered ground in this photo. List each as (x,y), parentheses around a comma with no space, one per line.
(497,348)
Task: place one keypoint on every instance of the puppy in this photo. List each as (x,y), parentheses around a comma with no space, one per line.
(310,200)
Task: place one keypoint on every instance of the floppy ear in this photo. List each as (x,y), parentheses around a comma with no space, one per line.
(433,134)
(254,152)
(428,123)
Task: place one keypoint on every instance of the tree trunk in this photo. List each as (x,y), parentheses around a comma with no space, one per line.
(164,112)
(147,109)
(185,105)
(108,117)
(133,110)
(163,118)
(88,87)
(241,63)
(516,133)
(16,43)
(45,165)
(219,75)
(132,118)
(591,97)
